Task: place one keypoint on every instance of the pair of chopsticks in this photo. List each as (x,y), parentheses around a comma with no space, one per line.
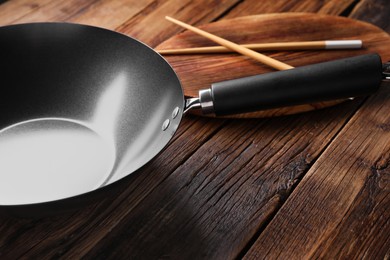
(246,50)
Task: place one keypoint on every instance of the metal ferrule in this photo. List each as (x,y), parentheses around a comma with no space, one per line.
(206,101)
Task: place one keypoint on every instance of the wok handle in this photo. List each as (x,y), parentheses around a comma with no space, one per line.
(344,78)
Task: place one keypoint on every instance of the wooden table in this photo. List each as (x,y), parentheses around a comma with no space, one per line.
(314,185)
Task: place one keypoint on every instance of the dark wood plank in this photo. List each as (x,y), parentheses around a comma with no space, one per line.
(106,13)
(213,204)
(373,11)
(341,207)
(251,7)
(207,195)
(13,10)
(40,11)
(151,27)
(110,14)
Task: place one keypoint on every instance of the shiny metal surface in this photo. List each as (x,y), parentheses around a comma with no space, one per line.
(81,107)
(191,103)
(175,112)
(165,124)
(206,101)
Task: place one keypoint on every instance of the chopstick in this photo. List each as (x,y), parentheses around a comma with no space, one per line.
(233,46)
(282,46)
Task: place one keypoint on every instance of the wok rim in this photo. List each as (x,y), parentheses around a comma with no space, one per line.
(106,187)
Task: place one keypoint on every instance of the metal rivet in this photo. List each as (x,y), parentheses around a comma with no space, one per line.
(165,125)
(175,112)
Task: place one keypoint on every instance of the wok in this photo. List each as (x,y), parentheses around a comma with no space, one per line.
(82,107)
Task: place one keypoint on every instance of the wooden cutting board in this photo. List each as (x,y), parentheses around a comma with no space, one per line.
(200,71)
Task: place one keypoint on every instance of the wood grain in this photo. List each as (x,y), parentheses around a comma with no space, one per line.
(44,11)
(10,11)
(200,71)
(343,200)
(373,11)
(110,14)
(216,186)
(253,7)
(213,203)
(151,27)
(345,209)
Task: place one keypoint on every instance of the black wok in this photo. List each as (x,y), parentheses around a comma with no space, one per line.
(83,107)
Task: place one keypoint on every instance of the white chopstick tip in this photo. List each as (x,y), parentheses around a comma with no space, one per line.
(170,18)
(343,44)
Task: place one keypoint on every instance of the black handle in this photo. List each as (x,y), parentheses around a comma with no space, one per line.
(344,78)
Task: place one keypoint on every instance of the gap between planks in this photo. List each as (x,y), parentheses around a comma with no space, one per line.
(369,161)
(223,125)
(315,159)
(352,6)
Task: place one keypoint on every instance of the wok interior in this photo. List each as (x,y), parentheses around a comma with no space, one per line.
(82,107)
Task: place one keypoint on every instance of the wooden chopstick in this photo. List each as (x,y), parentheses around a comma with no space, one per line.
(282,46)
(233,46)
